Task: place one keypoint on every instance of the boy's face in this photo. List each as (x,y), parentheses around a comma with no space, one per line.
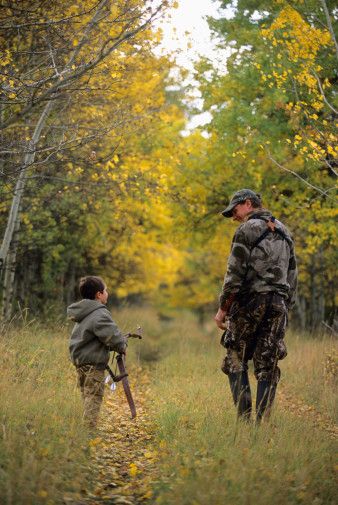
(102,296)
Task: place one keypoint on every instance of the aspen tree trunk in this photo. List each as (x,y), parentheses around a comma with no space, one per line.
(300,311)
(321,286)
(14,218)
(9,277)
(30,156)
(70,287)
(312,301)
(317,296)
(329,24)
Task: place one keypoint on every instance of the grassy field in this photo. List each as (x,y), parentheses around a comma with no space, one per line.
(204,455)
(43,444)
(208,457)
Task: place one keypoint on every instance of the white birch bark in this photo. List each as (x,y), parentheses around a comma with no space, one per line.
(13,216)
(9,277)
(329,25)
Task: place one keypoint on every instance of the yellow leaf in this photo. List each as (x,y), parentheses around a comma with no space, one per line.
(148,455)
(95,441)
(133,470)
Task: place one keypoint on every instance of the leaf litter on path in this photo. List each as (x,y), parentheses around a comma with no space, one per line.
(122,467)
(122,462)
(296,406)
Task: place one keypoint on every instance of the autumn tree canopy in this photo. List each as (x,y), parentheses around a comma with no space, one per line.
(274,129)
(96,176)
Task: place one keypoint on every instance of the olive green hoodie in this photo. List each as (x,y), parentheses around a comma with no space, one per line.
(94,334)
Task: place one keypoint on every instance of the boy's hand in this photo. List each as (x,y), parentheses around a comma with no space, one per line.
(120,348)
(123,348)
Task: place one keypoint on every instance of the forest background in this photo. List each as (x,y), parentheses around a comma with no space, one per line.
(97,177)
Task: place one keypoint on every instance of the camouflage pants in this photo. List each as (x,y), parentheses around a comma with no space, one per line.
(256,329)
(91,383)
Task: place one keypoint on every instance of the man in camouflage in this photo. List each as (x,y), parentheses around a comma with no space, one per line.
(258,290)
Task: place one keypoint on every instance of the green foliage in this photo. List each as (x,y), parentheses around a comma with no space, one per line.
(97,202)
(273,131)
(126,196)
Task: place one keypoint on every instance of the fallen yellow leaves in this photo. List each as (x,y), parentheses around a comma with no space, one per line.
(122,456)
(133,470)
(95,441)
(300,409)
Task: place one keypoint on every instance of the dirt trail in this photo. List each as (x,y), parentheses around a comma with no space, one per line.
(123,456)
(298,407)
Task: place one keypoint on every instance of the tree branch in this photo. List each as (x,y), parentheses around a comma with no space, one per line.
(329,25)
(323,94)
(65,79)
(316,188)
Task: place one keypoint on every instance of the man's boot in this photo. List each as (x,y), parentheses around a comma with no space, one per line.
(266,392)
(241,393)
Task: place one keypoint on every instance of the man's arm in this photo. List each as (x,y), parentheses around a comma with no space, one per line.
(223,311)
(235,274)
(108,332)
(292,278)
(237,266)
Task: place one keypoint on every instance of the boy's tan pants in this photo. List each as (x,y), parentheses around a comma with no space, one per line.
(91,383)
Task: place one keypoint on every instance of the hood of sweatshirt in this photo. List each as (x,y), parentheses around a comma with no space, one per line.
(79,310)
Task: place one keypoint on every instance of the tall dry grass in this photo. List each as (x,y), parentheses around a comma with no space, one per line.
(311,371)
(207,457)
(44,445)
(43,442)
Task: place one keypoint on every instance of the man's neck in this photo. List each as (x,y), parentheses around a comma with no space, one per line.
(257,212)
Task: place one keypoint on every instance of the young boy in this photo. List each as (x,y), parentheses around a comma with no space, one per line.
(93,336)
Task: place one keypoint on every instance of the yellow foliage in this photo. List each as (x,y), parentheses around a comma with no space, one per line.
(301,44)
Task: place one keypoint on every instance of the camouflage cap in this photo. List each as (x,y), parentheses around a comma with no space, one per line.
(240,197)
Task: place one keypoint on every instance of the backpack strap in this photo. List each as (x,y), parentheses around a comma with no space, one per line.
(259,239)
(271,228)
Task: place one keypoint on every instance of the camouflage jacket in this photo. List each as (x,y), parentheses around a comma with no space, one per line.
(269,266)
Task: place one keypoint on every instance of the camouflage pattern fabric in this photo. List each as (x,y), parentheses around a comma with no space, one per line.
(256,329)
(270,266)
(91,383)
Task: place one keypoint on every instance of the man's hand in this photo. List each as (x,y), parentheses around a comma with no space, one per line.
(220,319)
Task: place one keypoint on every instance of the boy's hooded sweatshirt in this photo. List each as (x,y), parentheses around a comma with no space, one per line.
(94,334)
